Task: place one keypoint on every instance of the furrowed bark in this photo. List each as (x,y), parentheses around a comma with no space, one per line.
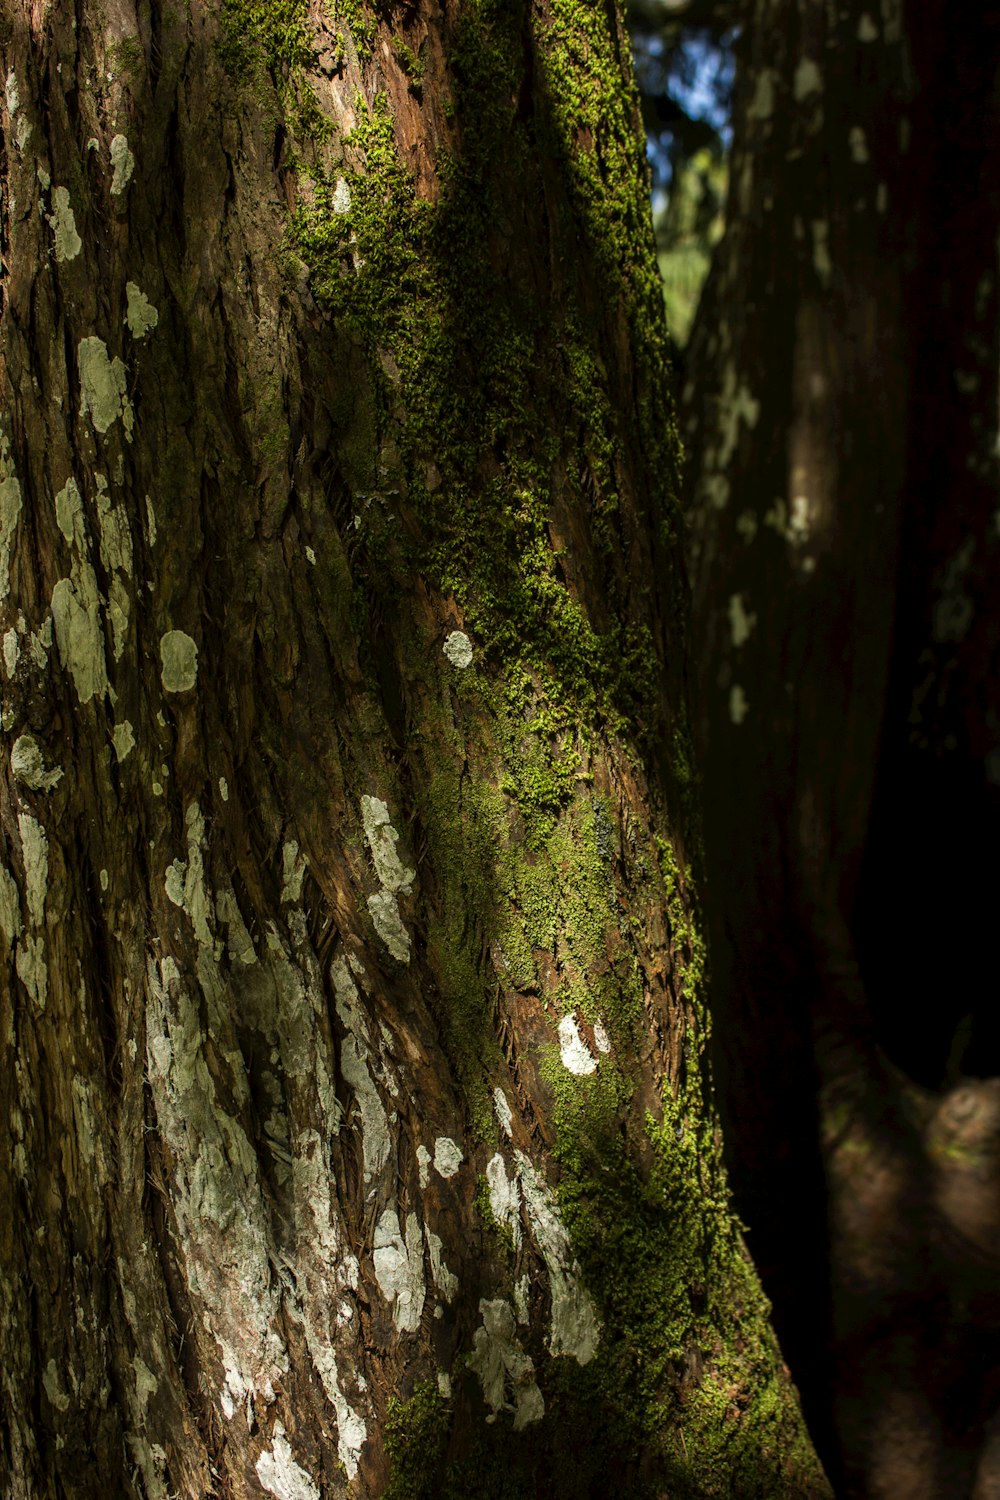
(353,1032)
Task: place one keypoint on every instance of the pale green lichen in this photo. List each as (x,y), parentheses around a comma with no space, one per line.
(10,907)
(28,765)
(76,616)
(10,510)
(122,164)
(69,512)
(458,649)
(140,314)
(178,661)
(103,387)
(11,650)
(62,222)
(382,840)
(123,739)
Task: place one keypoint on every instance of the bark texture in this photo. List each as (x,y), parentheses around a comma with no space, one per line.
(841,414)
(353,1032)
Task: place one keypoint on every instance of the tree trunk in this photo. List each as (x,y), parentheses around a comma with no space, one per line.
(840,412)
(353,1036)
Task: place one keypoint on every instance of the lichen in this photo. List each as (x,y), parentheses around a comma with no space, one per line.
(62,222)
(10,510)
(103,387)
(122,165)
(178,661)
(28,765)
(140,314)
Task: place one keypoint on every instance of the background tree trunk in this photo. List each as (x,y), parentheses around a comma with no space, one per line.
(840,410)
(353,1036)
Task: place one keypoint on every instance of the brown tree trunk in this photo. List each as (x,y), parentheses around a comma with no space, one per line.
(353,1033)
(840,411)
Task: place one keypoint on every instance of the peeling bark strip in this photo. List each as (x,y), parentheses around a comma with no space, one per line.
(353,1041)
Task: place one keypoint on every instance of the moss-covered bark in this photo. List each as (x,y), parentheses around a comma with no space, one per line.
(354,1042)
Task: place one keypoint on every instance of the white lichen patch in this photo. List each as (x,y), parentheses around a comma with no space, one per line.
(741,622)
(576,1327)
(223,789)
(83,1118)
(30,961)
(746,525)
(423,1165)
(293,869)
(355,1052)
(341,200)
(522,1290)
(384,909)
(62,222)
(10,510)
(382,839)
(184,880)
(140,314)
(116,535)
(10,907)
(458,649)
(505,1197)
(150,521)
(178,661)
(399,1268)
(503,1110)
(122,165)
(448,1156)
(103,387)
(223,1234)
(35,852)
(601,1038)
(146,1383)
(738,705)
(11,650)
(53,1387)
(822,264)
(445,1281)
(499,1360)
(277,1469)
(808,79)
(792,523)
(761,106)
(736,405)
(954,609)
(239,943)
(123,739)
(39,642)
(576,1055)
(69,513)
(13,93)
(28,765)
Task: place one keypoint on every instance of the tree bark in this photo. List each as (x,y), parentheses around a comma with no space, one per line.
(839,412)
(354,1031)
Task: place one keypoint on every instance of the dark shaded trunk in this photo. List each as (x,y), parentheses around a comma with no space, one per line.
(840,410)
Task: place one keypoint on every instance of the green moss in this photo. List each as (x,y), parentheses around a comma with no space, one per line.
(360,25)
(275,33)
(410,63)
(501,428)
(415,1434)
